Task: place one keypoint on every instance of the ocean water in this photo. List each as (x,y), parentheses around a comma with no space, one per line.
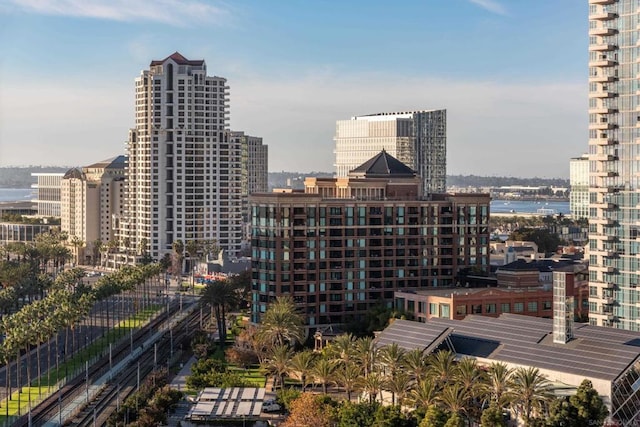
(529,206)
(16,194)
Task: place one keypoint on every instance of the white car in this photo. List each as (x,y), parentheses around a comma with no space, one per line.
(271,407)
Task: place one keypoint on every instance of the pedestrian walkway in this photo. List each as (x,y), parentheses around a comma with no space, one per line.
(179,382)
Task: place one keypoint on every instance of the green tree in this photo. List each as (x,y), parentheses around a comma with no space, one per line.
(361,414)
(281,323)
(455,420)
(347,377)
(391,416)
(434,417)
(277,364)
(532,391)
(323,372)
(582,409)
(492,416)
(302,364)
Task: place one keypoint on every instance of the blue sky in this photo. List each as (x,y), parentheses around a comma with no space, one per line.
(511,73)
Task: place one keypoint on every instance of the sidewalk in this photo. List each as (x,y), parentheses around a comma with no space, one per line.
(180,380)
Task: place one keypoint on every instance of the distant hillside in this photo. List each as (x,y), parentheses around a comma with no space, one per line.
(296,179)
(500,181)
(20,177)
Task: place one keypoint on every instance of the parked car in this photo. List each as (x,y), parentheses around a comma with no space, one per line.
(271,407)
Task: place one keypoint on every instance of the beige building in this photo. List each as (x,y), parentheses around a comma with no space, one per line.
(91,197)
(183,172)
(416,138)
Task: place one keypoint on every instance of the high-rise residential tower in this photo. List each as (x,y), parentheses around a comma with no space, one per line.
(614,142)
(183,173)
(416,138)
(579,183)
(254,164)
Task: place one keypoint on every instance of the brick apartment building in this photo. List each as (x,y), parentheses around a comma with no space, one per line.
(346,244)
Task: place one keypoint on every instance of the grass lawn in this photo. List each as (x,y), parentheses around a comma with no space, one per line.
(47,384)
(253,376)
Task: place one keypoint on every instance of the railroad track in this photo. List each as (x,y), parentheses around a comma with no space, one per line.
(50,407)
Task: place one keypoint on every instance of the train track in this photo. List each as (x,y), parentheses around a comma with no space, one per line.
(50,407)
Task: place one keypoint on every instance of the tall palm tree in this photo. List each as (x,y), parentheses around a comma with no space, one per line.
(323,372)
(499,384)
(391,357)
(221,297)
(342,348)
(442,366)
(347,376)
(302,364)
(399,386)
(472,379)
(416,363)
(454,398)
(531,392)
(425,393)
(372,384)
(277,364)
(366,354)
(281,323)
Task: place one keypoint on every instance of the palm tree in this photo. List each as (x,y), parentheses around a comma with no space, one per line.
(178,256)
(277,364)
(415,362)
(531,392)
(347,376)
(454,398)
(442,366)
(398,385)
(425,393)
(371,384)
(222,297)
(323,371)
(365,354)
(302,364)
(499,384)
(472,379)
(281,323)
(342,348)
(391,357)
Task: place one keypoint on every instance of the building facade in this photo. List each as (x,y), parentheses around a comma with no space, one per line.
(183,173)
(47,191)
(91,198)
(254,165)
(614,134)
(416,138)
(347,244)
(536,300)
(579,187)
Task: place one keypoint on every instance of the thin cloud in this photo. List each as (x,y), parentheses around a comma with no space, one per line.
(173,12)
(491,6)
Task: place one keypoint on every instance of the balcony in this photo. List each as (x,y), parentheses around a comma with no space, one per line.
(603,126)
(603,110)
(602,31)
(603,2)
(602,47)
(605,174)
(604,205)
(608,253)
(603,63)
(603,94)
(608,300)
(603,141)
(603,16)
(603,221)
(603,157)
(602,79)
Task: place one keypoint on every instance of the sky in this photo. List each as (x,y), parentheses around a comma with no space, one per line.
(512,75)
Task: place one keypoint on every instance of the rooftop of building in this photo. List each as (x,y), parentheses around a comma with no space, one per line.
(117,162)
(595,352)
(178,59)
(463,291)
(383,165)
(392,115)
(541,265)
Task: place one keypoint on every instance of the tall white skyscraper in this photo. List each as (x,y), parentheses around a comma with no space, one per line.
(183,172)
(416,138)
(614,148)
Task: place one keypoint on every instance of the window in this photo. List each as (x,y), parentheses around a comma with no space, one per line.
(532,306)
(476,308)
(490,309)
(433,309)
(518,307)
(461,310)
(505,307)
(546,305)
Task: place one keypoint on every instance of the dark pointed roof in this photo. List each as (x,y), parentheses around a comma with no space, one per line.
(74,173)
(383,165)
(178,59)
(117,162)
